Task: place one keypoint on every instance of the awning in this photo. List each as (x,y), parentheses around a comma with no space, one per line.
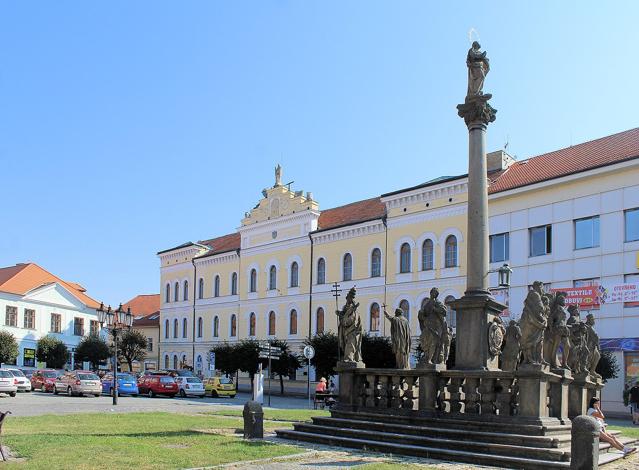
(620,344)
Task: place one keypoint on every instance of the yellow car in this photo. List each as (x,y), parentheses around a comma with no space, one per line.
(220,387)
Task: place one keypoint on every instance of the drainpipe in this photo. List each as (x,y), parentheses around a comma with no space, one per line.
(310,315)
(194,300)
(382,316)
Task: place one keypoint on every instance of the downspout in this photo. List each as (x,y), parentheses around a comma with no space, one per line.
(310,291)
(237,287)
(194,300)
(383,317)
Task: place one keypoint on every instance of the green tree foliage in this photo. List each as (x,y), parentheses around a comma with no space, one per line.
(608,367)
(132,346)
(377,352)
(225,358)
(8,348)
(248,351)
(325,359)
(287,363)
(92,349)
(52,351)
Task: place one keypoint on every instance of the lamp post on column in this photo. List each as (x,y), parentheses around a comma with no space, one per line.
(115,321)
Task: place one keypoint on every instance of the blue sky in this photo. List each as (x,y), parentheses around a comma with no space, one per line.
(131,127)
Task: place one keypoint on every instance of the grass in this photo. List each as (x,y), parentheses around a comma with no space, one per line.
(627,431)
(133,440)
(277,414)
(394,466)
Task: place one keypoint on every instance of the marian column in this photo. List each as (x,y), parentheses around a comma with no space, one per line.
(479,328)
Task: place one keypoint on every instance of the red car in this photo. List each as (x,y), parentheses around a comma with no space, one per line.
(153,385)
(44,379)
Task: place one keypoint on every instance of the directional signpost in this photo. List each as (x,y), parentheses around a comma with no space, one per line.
(309,353)
(269,352)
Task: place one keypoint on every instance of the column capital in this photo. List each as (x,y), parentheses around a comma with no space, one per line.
(476,111)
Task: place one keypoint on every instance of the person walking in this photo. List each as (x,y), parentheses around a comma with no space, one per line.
(633,398)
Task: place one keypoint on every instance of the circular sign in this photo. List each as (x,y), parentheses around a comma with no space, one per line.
(309,352)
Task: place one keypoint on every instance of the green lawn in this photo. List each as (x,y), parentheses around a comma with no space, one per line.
(627,431)
(278,415)
(132,440)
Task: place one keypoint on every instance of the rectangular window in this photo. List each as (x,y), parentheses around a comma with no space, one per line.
(587,233)
(630,279)
(78,326)
(94,327)
(632,224)
(540,240)
(586,282)
(29,318)
(56,323)
(149,344)
(499,247)
(11,318)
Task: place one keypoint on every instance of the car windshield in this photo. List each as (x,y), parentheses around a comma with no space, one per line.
(126,377)
(88,377)
(225,380)
(193,380)
(49,375)
(17,373)
(167,380)
(4,374)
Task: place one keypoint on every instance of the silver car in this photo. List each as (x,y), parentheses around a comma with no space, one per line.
(23,383)
(190,386)
(7,383)
(78,382)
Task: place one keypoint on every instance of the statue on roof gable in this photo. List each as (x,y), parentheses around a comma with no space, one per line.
(278,175)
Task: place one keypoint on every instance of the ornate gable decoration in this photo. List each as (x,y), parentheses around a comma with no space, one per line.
(279,201)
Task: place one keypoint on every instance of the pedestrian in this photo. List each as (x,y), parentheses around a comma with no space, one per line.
(633,395)
(594,410)
(321,386)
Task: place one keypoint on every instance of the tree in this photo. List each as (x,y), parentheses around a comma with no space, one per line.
(377,352)
(608,367)
(325,359)
(132,347)
(52,351)
(286,364)
(92,349)
(8,348)
(226,358)
(247,352)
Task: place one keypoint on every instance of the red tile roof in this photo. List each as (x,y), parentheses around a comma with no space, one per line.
(152,319)
(222,244)
(24,277)
(143,304)
(608,150)
(353,213)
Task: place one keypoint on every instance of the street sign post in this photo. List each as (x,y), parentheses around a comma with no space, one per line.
(309,353)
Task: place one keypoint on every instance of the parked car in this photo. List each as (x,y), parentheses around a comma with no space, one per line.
(174,372)
(153,385)
(44,379)
(127,384)
(190,386)
(8,383)
(23,383)
(220,387)
(78,382)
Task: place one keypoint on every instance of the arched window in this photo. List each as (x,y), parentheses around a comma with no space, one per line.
(376,263)
(234,284)
(175,328)
(405,306)
(404,258)
(451,251)
(252,324)
(427,255)
(216,327)
(166,362)
(166,328)
(319,321)
(347,267)
(216,286)
(177,292)
(293,323)
(184,328)
(321,271)
(294,275)
(201,289)
(272,278)
(253,281)
(175,361)
(167,297)
(451,315)
(198,364)
(374,317)
(199,327)
(271,323)
(233,326)
(183,362)
(185,295)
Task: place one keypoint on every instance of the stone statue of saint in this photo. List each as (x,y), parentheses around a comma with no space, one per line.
(278,175)
(557,332)
(349,329)
(573,310)
(579,353)
(592,341)
(478,68)
(533,323)
(448,339)
(511,354)
(400,338)
(434,329)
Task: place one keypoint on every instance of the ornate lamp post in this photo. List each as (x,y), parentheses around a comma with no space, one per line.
(115,321)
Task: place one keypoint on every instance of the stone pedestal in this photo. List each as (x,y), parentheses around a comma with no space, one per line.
(584,443)
(428,382)
(474,315)
(534,383)
(559,394)
(578,394)
(347,384)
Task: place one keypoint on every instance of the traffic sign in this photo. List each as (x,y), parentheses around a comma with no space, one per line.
(309,352)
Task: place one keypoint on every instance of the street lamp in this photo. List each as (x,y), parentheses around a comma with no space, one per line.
(504,275)
(115,321)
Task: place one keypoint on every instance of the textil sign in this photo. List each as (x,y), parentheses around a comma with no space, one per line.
(587,298)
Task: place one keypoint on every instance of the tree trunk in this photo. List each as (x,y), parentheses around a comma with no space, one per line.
(281,385)
(130,364)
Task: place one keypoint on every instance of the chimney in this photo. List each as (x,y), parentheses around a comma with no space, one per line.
(498,160)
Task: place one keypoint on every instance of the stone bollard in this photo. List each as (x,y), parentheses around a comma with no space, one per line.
(253,420)
(584,446)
